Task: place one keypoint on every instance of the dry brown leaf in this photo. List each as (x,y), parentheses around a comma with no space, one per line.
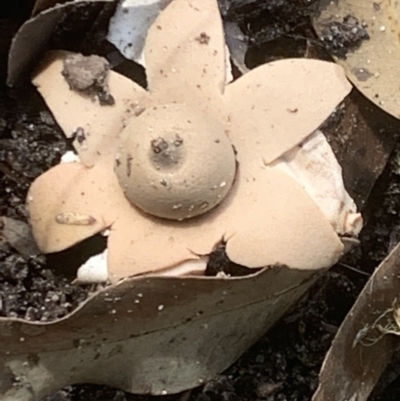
(19,235)
(147,335)
(363,345)
(237,45)
(41,5)
(33,36)
(362,137)
(373,67)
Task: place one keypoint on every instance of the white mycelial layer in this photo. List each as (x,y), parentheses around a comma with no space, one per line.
(94,270)
(69,157)
(314,165)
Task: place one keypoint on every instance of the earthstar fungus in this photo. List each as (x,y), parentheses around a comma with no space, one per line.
(255,170)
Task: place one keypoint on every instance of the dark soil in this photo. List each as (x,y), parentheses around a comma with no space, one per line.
(284,364)
(339,38)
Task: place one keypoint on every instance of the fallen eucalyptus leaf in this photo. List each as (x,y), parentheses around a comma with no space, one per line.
(372,65)
(362,137)
(363,345)
(19,235)
(147,335)
(41,5)
(237,45)
(33,36)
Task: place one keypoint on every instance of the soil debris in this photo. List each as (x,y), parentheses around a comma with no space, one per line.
(30,291)
(88,74)
(340,38)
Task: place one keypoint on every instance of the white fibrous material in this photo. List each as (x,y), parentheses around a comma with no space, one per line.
(314,166)
(129,25)
(94,270)
(69,157)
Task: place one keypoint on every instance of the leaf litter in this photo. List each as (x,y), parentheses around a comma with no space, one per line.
(372,61)
(388,235)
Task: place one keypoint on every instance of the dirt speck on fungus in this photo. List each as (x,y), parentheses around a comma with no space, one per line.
(203,38)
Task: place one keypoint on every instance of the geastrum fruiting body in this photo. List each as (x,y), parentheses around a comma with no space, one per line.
(157,158)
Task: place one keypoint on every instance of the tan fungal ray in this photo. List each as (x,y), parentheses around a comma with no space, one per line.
(95,126)
(185,53)
(273,221)
(140,244)
(277,105)
(70,203)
